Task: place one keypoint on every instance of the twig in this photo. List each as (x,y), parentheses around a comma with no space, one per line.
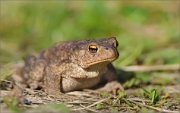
(172,67)
(154,108)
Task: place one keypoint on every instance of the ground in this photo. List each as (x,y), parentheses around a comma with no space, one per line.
(137,97)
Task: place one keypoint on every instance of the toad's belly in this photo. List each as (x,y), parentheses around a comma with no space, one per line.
(71,84)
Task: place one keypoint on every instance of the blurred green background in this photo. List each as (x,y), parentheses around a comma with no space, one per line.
(147,31)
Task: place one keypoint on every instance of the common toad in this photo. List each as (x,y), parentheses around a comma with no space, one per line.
(69,66)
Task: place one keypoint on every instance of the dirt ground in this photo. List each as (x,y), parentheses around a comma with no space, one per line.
(87,101)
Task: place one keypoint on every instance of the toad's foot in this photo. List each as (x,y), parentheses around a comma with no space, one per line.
(113,87)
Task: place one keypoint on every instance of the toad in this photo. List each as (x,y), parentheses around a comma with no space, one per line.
(70,66)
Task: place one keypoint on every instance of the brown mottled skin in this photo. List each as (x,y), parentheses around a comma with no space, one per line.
(70,66)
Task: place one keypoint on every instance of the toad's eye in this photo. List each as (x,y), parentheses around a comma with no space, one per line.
(93,48)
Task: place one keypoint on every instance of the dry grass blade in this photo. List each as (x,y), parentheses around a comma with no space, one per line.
(138,99)
(80,94)
(153,108)
(89,109)
(77,102)
(100,101)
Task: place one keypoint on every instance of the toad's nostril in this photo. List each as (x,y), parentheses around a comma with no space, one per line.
(115,44)
(106,48)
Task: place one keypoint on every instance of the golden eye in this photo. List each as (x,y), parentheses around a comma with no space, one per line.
(93,48)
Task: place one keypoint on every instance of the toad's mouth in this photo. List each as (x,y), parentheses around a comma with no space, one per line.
(104,61)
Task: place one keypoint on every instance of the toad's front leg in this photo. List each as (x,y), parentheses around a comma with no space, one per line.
(52,82)
(112,85)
